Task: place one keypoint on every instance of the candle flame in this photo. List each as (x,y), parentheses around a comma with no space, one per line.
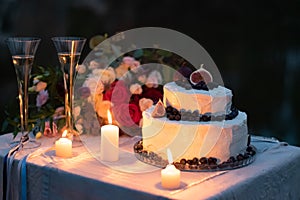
(170,157)
(109,118)
(64,133)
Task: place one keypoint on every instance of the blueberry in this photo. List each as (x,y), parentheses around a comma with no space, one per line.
(205,88)
(239,157)
(190,162)
(169,109)
(206,117)
(152,154)
(172,117)
(195,113)
(195,161)
(183,161)
(234,113)
(246,155)
(145,153)
(229,116)
(252,153)
(138,147)
(231,159)
(212,160)
(177,117)
(249,148)
(189,113)
(203,160)
(175,111)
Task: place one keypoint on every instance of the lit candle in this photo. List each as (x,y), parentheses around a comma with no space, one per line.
(109,150)
(170,176)
(63,146)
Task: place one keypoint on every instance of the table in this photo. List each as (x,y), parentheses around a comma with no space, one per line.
(275,174)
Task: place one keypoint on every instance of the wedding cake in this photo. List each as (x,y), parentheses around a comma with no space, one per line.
(196,120)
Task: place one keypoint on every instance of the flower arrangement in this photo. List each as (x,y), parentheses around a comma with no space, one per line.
(126,90)
(130,85)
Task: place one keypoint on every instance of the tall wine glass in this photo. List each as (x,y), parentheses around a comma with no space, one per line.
(69,51)
(23,51)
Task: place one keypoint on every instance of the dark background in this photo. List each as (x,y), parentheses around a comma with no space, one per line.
(255,44)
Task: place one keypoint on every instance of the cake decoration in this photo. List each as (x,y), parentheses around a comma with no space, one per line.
(159,110)
(201,75)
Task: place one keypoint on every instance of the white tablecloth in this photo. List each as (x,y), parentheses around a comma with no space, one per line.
(275,174)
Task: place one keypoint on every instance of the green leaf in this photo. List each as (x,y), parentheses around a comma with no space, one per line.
(138,53)
(164,53)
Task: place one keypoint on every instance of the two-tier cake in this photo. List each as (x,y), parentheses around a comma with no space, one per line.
(196,120)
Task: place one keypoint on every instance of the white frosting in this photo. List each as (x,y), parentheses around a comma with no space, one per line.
(188,139)
(217,100)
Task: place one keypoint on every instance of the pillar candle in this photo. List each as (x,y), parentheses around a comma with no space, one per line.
(109,150)
(170,177)
(63,148)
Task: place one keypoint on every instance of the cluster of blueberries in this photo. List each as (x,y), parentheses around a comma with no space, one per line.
(211,163)
(174,114)
(203,163)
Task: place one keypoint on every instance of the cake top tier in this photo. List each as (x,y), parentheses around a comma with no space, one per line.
(215,101)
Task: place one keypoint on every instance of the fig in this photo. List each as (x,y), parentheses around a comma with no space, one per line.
(159,110)
(200,75)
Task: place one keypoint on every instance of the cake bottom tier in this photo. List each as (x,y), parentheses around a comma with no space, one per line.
(219,139)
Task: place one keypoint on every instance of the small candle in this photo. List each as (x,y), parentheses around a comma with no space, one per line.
(170,176)
(63,147)
(109,150)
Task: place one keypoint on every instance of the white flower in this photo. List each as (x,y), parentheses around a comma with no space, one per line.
(145,103)
(91,82)
(107,76)
(94,65)
(154,79)
(42,98)
(136,89)
(81,69)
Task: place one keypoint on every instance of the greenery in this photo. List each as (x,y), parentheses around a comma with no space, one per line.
(52,83)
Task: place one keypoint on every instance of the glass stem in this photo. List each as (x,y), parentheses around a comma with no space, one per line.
(69,82)
(23,80)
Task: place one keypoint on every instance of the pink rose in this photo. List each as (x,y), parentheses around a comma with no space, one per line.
(128,61)
(145,104)
(127,114)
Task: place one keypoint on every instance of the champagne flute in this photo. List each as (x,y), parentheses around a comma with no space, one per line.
(69,51)
(23,51)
